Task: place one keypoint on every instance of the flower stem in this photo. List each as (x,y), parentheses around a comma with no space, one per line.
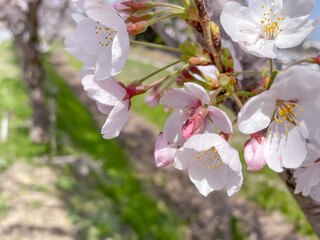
(158,71)
(293,64)
(214,95)
(168,5)
(165,78)
(155,20)
(236,74)
(234,95)
(146,44)
(271,66)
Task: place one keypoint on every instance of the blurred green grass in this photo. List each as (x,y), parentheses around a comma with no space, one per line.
(264,188)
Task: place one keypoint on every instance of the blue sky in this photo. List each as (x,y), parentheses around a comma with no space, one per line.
(315,36)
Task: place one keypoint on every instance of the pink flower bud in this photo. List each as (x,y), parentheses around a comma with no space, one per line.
(130,6)
(163,153)
(194,124)
(253,152)
(137,28)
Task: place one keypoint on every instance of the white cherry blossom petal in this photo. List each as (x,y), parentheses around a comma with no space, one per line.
(172,130)
(116,120)
(284,147)
(260,48)
(220,119)
(234,182)
(296,83)
(177,98)
(198,91)
(256,113)
(182,158)
(239,21)
(202,142)
(164,152)
(293,37)
(205,179)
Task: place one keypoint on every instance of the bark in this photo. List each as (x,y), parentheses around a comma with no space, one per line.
(27,44)
(310,207)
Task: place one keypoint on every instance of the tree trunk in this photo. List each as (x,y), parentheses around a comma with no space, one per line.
(27,43)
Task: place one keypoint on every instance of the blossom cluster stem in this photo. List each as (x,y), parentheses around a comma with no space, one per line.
(158,71)
(239,103)
(214,95)
(168,5)
(152,45)
(155,84)
(205,24)
(293,64)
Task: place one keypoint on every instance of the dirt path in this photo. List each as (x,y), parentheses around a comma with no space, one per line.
(33,210)
(209,218)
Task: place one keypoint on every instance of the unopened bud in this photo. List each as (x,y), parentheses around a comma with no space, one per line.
(227,59)
(192,12)
(253,152)
(137,28)
(315,60)
(130,6)
(215,30)
(134,18)
(194,123)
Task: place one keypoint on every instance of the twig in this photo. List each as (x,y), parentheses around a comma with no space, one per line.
(205,24)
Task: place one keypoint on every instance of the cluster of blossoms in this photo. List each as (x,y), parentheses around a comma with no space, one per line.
(281,117)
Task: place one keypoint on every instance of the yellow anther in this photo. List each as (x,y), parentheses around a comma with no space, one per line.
(204,163)
(289,106)
(282,13)
(198,153)
(262,21)
(287,133)
(210,159)
(291,120)
(270,9)
(277,120)
(282,18)
(294,115)
(262,6)
(296,105)
(288,125)
(209,167)
(277,135)
(215,167)
(189,112)
(281,121)
(198,157)
(284,118)
(302,111)
(297,124)
(220,163)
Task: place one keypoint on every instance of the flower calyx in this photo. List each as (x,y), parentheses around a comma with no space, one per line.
(227,82)
(134,89)
(315,60)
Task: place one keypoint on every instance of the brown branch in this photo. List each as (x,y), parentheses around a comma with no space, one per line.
(310,207)
(214,46)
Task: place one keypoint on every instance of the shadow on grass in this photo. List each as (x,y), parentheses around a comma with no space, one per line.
(119,209)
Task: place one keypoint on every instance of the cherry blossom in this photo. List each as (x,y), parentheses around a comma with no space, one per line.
(290,110)
(100,39)
(188,101)
(266,25)
(308,176)
(212,163)
(111,98)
